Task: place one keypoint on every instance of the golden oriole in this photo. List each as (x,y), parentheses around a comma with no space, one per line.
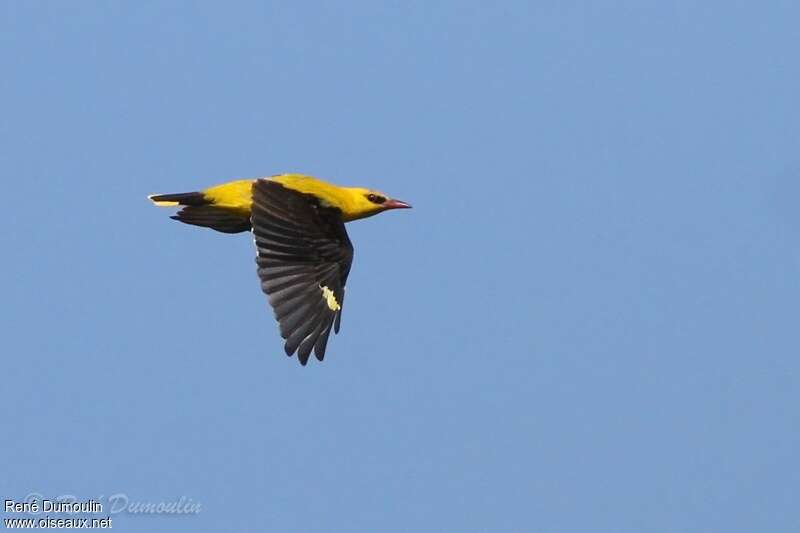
(303,251)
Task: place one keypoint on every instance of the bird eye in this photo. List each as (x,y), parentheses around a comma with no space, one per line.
(375,199)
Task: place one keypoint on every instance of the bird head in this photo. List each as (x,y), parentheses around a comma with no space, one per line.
(366,202)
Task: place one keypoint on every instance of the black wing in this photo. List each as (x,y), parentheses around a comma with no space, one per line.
(304,257)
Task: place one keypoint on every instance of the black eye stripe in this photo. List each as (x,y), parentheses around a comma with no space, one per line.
(376,199)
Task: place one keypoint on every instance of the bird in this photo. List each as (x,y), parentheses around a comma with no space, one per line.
(303,252)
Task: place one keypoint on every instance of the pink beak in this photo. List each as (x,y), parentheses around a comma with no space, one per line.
(395,204)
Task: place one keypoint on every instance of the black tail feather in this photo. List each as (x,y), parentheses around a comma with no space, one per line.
(209,216)
(182,198)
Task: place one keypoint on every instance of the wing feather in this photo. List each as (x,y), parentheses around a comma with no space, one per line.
(304,258)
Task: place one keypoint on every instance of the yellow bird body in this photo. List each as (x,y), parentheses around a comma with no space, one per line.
(237,196)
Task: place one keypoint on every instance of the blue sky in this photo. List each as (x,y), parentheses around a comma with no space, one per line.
(587,323)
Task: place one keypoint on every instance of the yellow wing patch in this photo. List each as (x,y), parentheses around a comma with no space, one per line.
(330,298)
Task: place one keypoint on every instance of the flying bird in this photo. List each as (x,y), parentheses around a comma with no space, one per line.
(303,251)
